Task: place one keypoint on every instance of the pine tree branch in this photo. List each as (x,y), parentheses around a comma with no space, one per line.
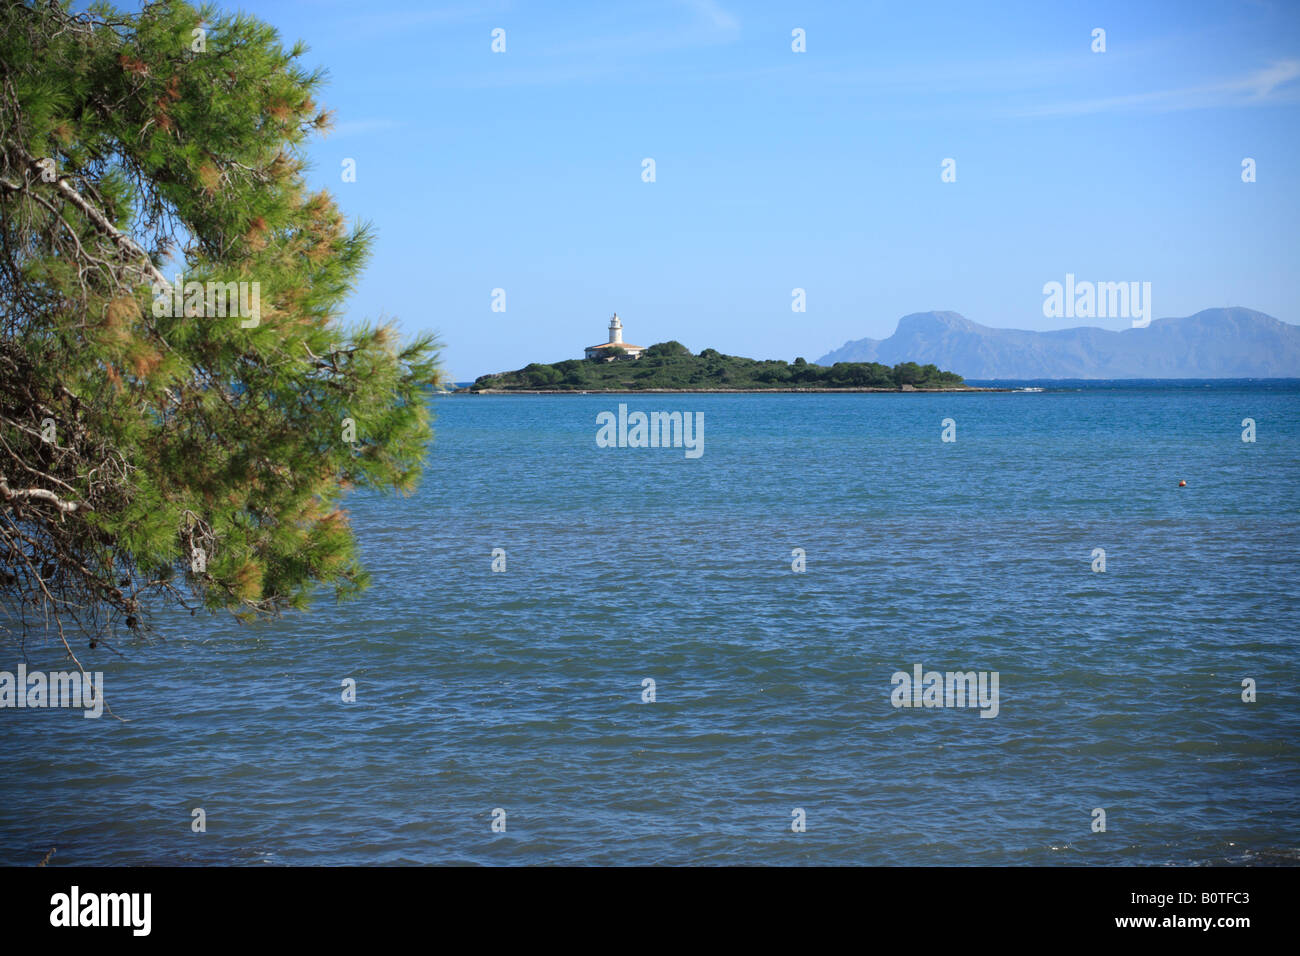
(91,212)
(40,494)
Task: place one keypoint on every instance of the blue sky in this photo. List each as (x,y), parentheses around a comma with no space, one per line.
(818,170)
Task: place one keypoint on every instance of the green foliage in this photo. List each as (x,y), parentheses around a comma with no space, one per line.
(669,349)
(180,431)
(541,376)
(670,365)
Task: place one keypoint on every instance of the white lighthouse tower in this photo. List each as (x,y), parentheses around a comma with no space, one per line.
(604,349)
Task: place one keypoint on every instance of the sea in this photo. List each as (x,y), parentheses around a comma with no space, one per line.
(620,655)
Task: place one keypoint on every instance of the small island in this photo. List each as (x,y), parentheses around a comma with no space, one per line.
(615,366)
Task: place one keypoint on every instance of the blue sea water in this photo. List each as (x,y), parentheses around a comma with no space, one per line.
(522,689)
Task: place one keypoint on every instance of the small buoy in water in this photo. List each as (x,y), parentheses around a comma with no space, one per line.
(1182,484)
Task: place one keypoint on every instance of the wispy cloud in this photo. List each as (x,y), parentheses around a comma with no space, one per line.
(710,11)
(1268,85)
(1264,82)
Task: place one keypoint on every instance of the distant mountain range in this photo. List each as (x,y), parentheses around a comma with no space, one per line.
(1215,343)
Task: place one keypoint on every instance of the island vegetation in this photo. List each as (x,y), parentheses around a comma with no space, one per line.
(671,366)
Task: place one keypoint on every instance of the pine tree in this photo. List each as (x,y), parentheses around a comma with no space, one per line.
(154,454)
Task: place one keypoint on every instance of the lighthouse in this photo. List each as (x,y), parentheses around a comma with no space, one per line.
(606,349)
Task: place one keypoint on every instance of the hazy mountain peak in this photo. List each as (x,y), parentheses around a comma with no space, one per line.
(1226,342)
(922,320)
